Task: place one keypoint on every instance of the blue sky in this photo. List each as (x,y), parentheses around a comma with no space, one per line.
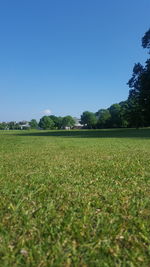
(68,55)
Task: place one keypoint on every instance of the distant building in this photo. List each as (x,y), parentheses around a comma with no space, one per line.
(24,126)
(67,127)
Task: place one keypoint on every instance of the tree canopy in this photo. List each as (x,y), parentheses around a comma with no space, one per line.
(68,121)
(46,123)
(88,119)
(103,118)
(146,40)
(139,94)
(33,124)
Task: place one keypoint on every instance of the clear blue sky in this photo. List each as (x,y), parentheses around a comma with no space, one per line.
(68,55)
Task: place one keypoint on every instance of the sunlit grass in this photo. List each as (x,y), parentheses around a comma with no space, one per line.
(75,198)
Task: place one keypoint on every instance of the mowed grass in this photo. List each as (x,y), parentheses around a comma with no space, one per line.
(75,198)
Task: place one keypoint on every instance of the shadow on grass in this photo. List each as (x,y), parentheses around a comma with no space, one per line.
(110,133)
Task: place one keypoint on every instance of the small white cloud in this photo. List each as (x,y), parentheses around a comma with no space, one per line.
(47,112)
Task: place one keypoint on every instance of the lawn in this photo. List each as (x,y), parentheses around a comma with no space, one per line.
(75,198)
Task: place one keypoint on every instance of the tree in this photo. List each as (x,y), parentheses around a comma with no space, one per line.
(145,93)
(57,121)
(135,111)
(115,112)
(139,94)
(3,126)
(11,125)
(68,121)
(103,116)
(124,113)
(17,126)
(33,124)
(46,123)
(88,119)
(146,40)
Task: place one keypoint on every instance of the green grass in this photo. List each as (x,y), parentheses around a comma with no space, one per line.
(75,198)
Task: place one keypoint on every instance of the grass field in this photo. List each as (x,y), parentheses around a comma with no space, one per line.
(75,198)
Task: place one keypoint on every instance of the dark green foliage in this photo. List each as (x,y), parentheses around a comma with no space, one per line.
(103,117)
(33,124)
(17,126)
(57,121)
(115,116)
(89,119)
(3,126)
(115,112)
(124,113)
(11,125)
(46,123)
(68,121)
(144,100)
(135,114)
(139,94)
(146,40)
(54,122)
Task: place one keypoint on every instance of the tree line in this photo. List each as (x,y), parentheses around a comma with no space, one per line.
(134,112)
(46,122)
(54,122)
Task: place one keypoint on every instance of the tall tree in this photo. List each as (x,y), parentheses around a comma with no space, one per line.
(145,94)
(88,119)
(139,94)
(12,125)
(3,126)
(124,113)
(135,111)
(33,124)
(46,123)
(144,100)
(146,40)
(103,118)
(57,121)
(68,121)
(115,112)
